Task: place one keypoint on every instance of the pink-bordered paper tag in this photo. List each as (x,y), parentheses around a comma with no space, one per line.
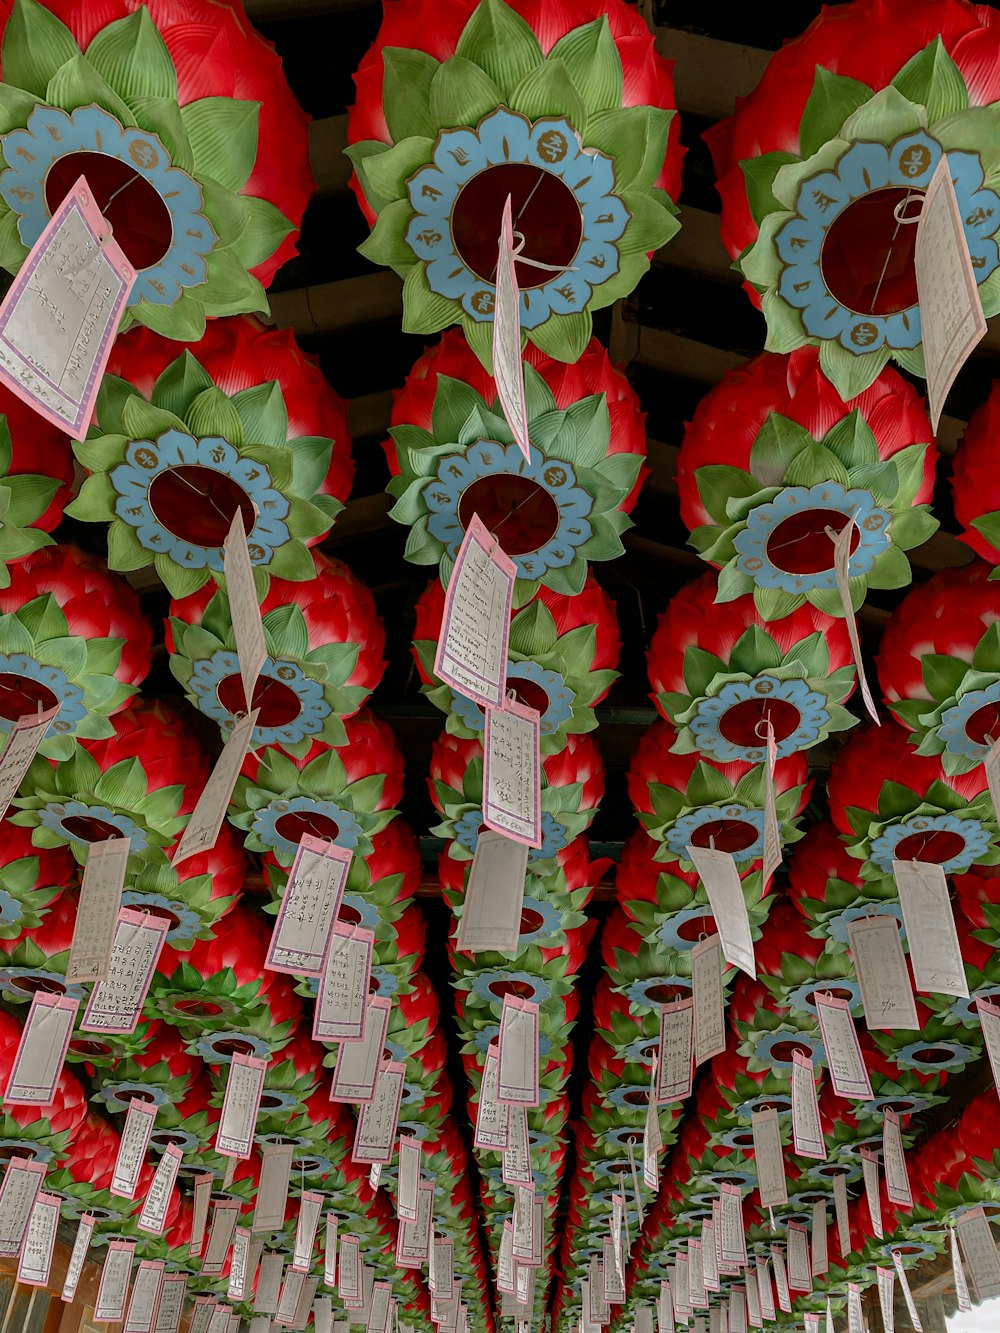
(375,1135)
(22,744)
(475,628)
(517,1053)
(309,907)
(145,1300)
(339,1012)
(115,1004)
(512,773)
(109,1308)
(244,1086)
(848,1075)
(153,1217)
(35,1260)
(41,1052)
(21,1182)
(78,1256)
(59,320)
(133,1146)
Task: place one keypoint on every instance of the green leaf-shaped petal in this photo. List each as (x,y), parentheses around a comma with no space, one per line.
(932,79)
(590,55)
(133,57)
(78,83)
(548,90)
(406,92)
(461,94)
(35,46)
(501,43)
(832,100)
(223,135)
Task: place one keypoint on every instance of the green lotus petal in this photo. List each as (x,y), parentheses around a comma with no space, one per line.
(389,171)
(406,92)
(758,177)
(501,43)
(223,136)
(547,90)
(790,178)
(591,57)
(833,99)
(77,83)
(16,106)
(461,94)
(229,289)
(36,45)
(423,310)
(759,263)
(886,117)
(183,322)
(162,116)
(850,375)
(361,154)
(932,79)
(177,581)
(29,497)
(132,56)
(564,337)
(13,251)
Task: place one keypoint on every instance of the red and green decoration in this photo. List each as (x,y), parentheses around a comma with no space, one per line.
(720,673)
(31,880)
(454,455)
(890,803)
(828,889)
(345,794)
(682,800)
(773,463)
(171,464)
(561,660)
(976,482)
(192,144)
(36,474)
(839,139)
(568,112)
(324,642)
(939,666)
(194,896)
(141,784)
(74,635)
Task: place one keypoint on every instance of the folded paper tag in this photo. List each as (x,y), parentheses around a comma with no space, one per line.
(512,773)
(97,910)
(709,1000)
(35,1263)
(413,1239)
(59,319)
(980,1251)
(897,1180)
(358,1062)
(771,1185)
(173,1294)
(206,819)
(225,1215)
(665,1310)
(885,983)
(848,1074)
(115,1004)
(244,608)
(133,1147)
(153,1217)
(378,1121)
(145,1299)
(508,367)
(78,1256)
(772,830)
(675,1061)
(886,1285)
(765,1292)
(843,544)
(309,908)
(239,1279)
(709,1255)
(23,740)
(269,1279)
(492,1116)
(517,1071)
(516,1161)
(109,1307)
(339,1013)
(41,1052)
(331,1225)
(904,1285)
(494,896)
(989,1021)
(781,1279)
(472,644)
(807,1132)
(935,954)
(718,873)
(820,1248)
(272,1188)
(732,1237)
(505,1261)
(199,1212)
(241,1105)
(410,1155)
(843,1215)
(869,1166)
(310,1206)
(799,1267)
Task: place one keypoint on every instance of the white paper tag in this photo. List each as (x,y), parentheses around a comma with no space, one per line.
(201,1316)
(717,871)
(381,1308)
(331,1224)
(172,1297)
(306,1297)
(799,1267)
(765,1292)
(682,1303)
(272,1268)
(732,1237)
(772,831)
(675,1061)
(153,1218)
(97,910)
(494,896)
(989,1020)
(753,1301)
(414,1238)
(375,1136)
(244,609)
(41,1052)
(709,999)
(881,968)
(517,1069)
(958,1275)
(820,1247)
(951,314)
(869,1166)
(410,1155)
(109,1307)
(59,319)
(848,1075)
(219,1321)
(358,1062)
(841,574)
(25,736)
(991,765)
(133,1147)
(115,1004)
(472,645)
(904,1284)
(709,1255)
(78,1256)
(288,1301)
(145,1299)
(781,1279)
(492,1116)
(309,908)
(771,1186)
(225,1216)
(310,1207)
(897,1180)
(322,1314)
(505,1261)
(349,1281)
(807,1131)
(272,1188)
(665,1310)
(935,954)
(512,773)
(339,1013)
(244,1086)
(652,1144)
(613,1289)
(239,1279)
(516,1161)
(886,1285)
(842,1214)
(209,812)
(508,368)
(441,1270)
(35,1263)
(980,1251)
(202,1195)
